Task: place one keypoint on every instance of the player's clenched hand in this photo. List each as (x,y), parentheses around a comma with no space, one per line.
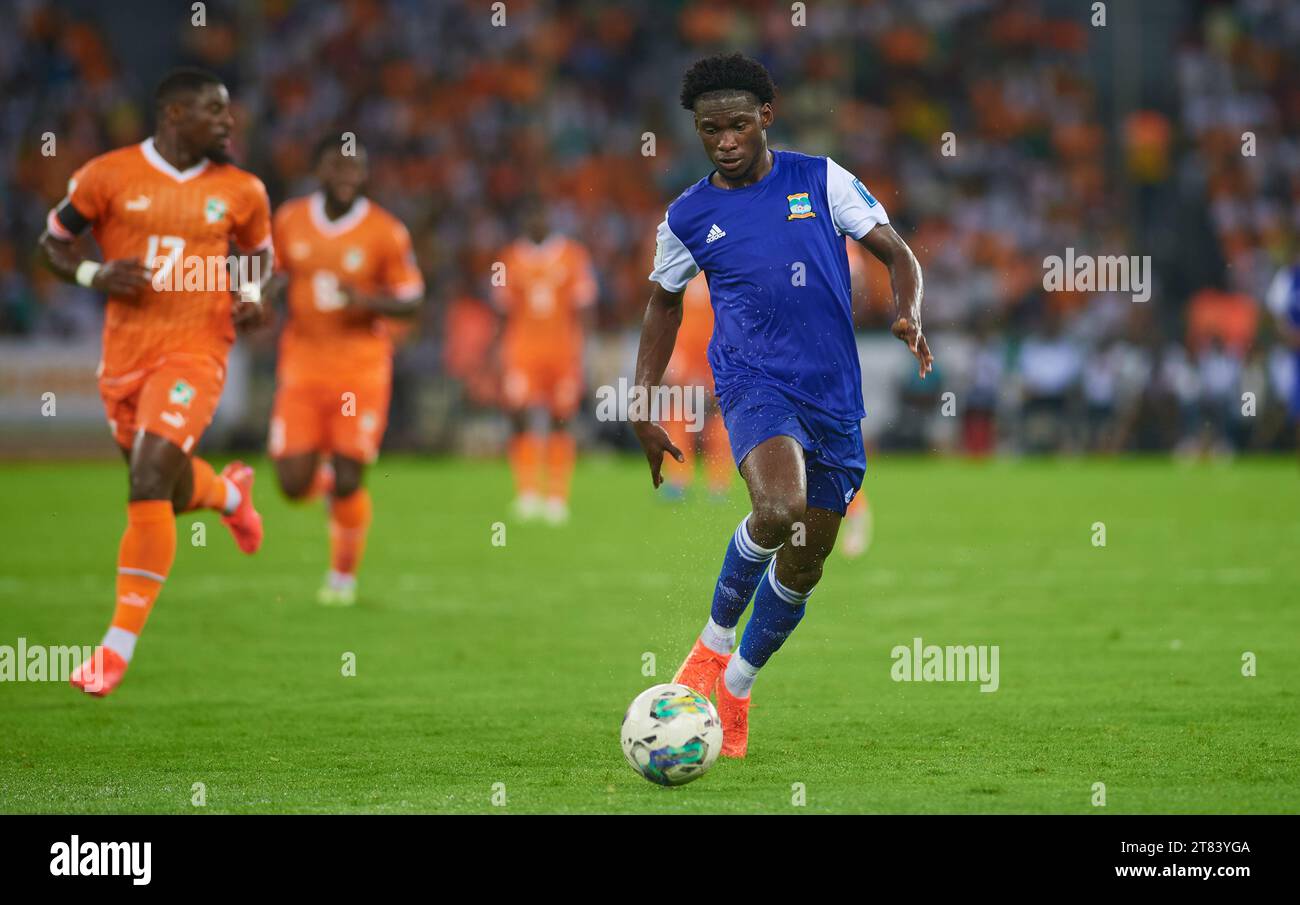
(250,315)
(910,333)
(123,278)
(654,440)
(356,305)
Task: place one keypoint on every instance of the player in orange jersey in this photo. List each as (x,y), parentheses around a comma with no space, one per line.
(689,369)
(165,214)
(547,299)
(858,524)
(349,266)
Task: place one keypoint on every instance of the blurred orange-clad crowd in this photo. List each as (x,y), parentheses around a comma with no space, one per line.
(995,133)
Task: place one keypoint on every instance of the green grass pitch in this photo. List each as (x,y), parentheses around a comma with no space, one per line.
(479,664)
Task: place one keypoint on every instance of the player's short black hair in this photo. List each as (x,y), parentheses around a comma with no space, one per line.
(727,72)
(181,81)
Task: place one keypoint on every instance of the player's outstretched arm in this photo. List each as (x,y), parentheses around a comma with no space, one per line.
(663,315)
(387,305)
(905,277)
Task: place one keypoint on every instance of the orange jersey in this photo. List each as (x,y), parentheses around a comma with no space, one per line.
(690,354)
(140,206)
(546,286)
(368,250)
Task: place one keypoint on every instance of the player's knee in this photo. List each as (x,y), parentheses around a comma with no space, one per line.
(150,481)
(294,483)
(347,477)
(346,485)
(295,490)
(777,517)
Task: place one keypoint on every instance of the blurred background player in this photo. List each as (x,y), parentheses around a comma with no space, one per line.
(546,300)
(856,529)
(155,208)
(1284,303)
(689,368)
(349,266)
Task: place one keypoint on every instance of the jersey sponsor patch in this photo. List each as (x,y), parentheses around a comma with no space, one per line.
(866,196)
(800,206)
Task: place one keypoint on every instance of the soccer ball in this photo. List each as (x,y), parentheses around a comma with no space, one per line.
(671,734)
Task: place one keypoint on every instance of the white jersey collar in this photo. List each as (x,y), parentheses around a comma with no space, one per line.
(158,163)
(327,227)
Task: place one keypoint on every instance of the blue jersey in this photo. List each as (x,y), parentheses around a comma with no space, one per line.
(1284,295)
(778,273)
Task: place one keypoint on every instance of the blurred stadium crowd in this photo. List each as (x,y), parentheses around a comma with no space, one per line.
(1060,139)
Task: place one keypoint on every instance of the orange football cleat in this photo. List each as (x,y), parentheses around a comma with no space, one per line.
(701,669)
(245,523)
(101,673)
(734,713)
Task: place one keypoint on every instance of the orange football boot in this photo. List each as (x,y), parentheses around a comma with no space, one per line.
(92,680)
(245,523)
(734,713)
(701,669)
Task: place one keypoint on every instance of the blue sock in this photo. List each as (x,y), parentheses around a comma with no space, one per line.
(777,610)
(742,569)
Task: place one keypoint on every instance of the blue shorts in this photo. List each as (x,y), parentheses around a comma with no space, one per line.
(834,457)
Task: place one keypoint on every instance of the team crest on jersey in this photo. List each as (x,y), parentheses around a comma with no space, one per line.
(352,259)
(214,210)
(181,394)
(800,206)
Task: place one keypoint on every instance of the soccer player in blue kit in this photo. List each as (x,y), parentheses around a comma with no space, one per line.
(766,228)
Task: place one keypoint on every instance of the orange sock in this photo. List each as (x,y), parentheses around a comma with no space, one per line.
(210,488)
(349,523)
(717,453)
(561,450)
(524,456)
(143,561)
(680,473)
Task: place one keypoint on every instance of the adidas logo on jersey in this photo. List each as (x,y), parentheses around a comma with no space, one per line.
(138,204)
(715,233)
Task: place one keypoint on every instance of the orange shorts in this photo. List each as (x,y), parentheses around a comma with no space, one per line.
(554,384)
(346,418)
(175,398)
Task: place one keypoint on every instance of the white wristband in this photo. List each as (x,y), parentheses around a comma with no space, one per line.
(251,293)
(86,271)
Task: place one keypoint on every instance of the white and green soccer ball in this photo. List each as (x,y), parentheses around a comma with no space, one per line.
(671,734)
